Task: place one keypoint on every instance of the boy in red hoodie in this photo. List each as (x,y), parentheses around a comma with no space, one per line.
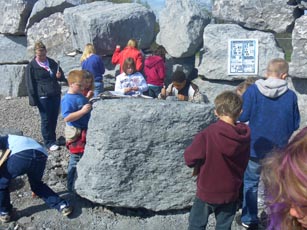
(221,152)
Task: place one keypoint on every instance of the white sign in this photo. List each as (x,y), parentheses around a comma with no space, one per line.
(243,57)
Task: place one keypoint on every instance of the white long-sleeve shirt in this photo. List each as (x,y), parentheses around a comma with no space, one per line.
(125,81)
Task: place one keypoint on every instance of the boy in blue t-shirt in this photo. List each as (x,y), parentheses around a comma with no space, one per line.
(76,111)
(272,111)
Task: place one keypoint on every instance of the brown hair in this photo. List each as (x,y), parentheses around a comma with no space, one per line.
(39,45)
(228,103)
(88,76)
(160,51)
(75,76)
(129,62)
(242,87)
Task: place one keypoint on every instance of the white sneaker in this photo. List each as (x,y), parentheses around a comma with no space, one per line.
(54,147)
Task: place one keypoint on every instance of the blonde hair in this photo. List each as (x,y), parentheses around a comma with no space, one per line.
(88,50)
(132,43)
(89,77)
(228,103)
(39,45)
(278,66)
(75,76)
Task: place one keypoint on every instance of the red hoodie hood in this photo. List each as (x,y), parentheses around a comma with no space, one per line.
(151,61)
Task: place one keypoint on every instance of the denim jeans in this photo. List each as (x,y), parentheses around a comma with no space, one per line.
(98,88)
(72,170)
(224,214)
(49,110)
(32,163)
(250,192)
(154,91)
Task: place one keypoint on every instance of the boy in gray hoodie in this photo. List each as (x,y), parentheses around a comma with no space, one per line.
(272,111)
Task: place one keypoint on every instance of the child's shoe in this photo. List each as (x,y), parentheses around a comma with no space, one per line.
(5,217)
(65,209)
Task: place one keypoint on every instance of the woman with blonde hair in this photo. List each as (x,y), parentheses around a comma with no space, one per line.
(93,63)
(131,50)
(285,177)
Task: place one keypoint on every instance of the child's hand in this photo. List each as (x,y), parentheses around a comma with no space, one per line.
(90,94)
(127,90)
(182,97)
(86,108)
(135,88)
(58,74)
(163,92)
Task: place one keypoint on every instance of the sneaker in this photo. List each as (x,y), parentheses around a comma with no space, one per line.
(65,209)
(5,217)
(54,147)
(250,226)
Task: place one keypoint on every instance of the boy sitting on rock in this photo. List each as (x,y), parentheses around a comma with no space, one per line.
(182,89)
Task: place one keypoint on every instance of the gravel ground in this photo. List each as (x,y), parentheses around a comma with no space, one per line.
(31,213)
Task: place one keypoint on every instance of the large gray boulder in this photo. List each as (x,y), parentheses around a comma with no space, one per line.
(54,33)
(182,23)
(214,61)
(14,15)
(298,65)
(13,81)
(13,49)
(106,24)
(277,16)
(134,153)
(43,9)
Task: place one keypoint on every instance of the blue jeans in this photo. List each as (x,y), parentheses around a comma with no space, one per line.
(98,88)
(72,170)
(32,163)
(250,192)
(49,111)
(224,214)
(154,91)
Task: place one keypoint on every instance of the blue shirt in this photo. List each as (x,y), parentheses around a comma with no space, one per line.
(95,66)
(71,103)
(20,143)
(272,120)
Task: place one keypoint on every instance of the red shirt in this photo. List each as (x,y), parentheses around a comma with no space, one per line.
(223,150)
(120,56)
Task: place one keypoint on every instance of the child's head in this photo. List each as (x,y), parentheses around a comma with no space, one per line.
(160,51)
(132,43)
(88,50)
(242,87)
(285,177)
(277,68)
(129,66)
(228,103)
(88,80)
(76,81)
(179,79)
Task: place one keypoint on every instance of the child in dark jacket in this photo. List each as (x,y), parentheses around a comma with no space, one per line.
(221,151)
